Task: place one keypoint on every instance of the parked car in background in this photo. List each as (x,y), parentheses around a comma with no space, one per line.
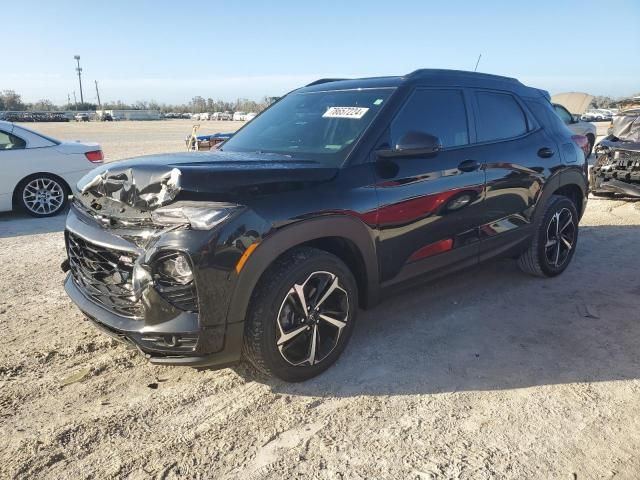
(226,116)
(205,116)
(81,117)
(34,116)
(40,172)
(598,115)
(103,116)
(330,199)
(239,116)
(250,116)
(578,127)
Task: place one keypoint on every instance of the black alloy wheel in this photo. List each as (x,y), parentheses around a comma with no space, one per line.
(301,315)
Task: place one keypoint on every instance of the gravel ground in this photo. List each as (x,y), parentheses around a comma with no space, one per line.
(129,139)
(485,374)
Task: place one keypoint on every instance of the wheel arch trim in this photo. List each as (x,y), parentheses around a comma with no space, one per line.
(555,182)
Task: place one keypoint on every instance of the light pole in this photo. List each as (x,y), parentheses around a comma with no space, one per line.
(79,70)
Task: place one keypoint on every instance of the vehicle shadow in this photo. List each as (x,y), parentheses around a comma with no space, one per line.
(18,224)
(493,328)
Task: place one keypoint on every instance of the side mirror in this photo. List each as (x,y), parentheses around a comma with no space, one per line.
(413,144)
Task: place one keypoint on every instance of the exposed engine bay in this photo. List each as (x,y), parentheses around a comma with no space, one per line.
(617,167)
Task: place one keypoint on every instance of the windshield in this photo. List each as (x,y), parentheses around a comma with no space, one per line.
(316,126)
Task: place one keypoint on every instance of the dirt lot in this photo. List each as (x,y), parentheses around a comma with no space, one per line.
(485,374)
(130,139)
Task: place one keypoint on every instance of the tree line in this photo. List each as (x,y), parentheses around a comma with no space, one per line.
(12,101)
(601,101)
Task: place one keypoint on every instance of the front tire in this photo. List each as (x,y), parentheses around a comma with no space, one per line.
(301,315)
(555,240)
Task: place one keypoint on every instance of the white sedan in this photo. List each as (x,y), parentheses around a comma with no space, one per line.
(38,173)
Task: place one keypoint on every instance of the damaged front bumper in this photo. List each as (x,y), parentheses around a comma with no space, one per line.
(114,282)
(617,169)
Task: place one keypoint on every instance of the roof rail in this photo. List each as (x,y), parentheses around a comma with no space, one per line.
(325,80)
(424,72)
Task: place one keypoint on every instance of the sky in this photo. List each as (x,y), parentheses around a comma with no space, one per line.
(171,51)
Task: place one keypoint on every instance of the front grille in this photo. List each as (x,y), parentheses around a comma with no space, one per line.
(105,275)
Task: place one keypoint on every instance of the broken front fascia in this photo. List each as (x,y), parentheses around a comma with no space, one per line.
(134,198)
(617,169)
(142,189)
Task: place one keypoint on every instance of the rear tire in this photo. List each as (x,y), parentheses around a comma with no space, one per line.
(282,337)
(42,195)
(555,240)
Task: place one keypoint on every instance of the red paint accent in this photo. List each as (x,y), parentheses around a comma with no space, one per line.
(409,211)
(432,249)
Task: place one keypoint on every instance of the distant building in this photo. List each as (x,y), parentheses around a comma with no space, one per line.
(131,114)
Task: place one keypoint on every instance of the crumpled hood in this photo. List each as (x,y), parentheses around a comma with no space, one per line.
(147,183)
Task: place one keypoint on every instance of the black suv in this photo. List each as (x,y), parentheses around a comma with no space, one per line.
(338,192)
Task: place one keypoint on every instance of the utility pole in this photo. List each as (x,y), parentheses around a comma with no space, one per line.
(79,70)
(98,95)
(68,100)
(75,100)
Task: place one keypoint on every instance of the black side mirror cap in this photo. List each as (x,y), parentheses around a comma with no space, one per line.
(413,144)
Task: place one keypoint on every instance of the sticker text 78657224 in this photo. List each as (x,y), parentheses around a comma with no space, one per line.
(345,112)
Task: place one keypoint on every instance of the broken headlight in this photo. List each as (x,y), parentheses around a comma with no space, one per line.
(176,267)
(199,215)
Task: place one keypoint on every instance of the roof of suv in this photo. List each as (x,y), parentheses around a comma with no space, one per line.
(426,77)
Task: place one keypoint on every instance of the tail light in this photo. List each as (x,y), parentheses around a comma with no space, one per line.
(582,142)
(95,156)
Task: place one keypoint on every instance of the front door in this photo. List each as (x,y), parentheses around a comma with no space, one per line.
(430,206)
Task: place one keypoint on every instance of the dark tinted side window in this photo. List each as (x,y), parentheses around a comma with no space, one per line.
(562,112)
(546,114)
(499,117)
(438,112)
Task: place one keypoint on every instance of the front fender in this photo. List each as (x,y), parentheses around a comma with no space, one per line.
(277,243)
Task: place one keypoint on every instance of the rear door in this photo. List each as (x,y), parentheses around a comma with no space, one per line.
(430,205)
(517,155)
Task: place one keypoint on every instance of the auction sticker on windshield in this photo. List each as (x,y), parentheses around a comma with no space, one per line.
(345,112)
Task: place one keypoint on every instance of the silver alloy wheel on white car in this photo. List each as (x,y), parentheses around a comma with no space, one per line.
(43,196)
(311,319)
